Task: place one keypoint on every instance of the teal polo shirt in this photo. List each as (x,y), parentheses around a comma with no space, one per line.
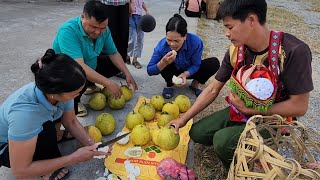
(71,39)
(23,113)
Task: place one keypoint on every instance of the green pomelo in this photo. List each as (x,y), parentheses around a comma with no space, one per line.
(164,119)
(97,101)
(183,102)
(171,108)
(147,111)
(167,139)
(157,102)
(134,119)
(106,123)
(126,92)
(140,135)
(116,103)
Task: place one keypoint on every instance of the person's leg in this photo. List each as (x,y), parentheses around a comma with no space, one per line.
(168,72)
(105,67)
(118,23)
(123,22)
(204,130)
(140,37)
(132,37)
(46,147)
(204,6)
(225,142)
(113,24)
(138,46)
(207,69)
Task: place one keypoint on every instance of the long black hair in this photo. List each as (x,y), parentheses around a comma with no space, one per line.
(57,73)
(177,24)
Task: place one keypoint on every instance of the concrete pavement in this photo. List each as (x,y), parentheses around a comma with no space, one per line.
(27,30)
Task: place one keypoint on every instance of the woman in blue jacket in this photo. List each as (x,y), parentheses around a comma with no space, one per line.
(28,137)
(180,54)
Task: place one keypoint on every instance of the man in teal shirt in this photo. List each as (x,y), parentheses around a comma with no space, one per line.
(88,40)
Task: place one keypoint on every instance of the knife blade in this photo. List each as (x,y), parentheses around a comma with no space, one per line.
(112,140)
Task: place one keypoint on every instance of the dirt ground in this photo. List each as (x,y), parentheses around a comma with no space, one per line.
(298,17)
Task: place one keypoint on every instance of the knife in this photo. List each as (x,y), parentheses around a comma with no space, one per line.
(112,140)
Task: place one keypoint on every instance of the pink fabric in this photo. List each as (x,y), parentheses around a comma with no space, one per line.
(194,6)
(138,9)
(169,167)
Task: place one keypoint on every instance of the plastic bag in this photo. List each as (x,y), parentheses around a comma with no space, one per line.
(169,167)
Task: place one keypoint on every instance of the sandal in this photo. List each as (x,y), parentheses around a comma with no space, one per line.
(121,75)
(55,174)
(167,93)
(82,111)
(65,136)
(196,91)
(92,89)
(136,64)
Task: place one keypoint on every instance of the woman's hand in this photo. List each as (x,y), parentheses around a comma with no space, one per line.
(88,152)
(184,77)
(169,57)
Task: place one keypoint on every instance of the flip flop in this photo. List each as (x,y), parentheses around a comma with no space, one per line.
(82,111)
(57,172)
(196,91)
(167,93)
(121,75)
(91,90)
(65,136)
(136,64)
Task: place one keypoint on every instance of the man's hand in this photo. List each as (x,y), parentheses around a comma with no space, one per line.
(239,103)
(131,83)
(177,124)
(169,57)
(115,89)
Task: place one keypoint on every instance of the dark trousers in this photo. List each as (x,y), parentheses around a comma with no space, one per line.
(118,23)
(208,68)
(106,68)
(46,147)
(219,131)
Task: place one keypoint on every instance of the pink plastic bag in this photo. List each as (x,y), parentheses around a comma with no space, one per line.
(169,167)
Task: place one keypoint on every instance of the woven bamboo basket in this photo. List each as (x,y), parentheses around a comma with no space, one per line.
(212,8)
(283,154)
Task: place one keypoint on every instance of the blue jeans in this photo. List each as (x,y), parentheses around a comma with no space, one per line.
(135,44)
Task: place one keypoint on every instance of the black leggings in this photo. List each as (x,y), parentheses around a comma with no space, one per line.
(208,68)
(106,68)
(119,27)
(46,148)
